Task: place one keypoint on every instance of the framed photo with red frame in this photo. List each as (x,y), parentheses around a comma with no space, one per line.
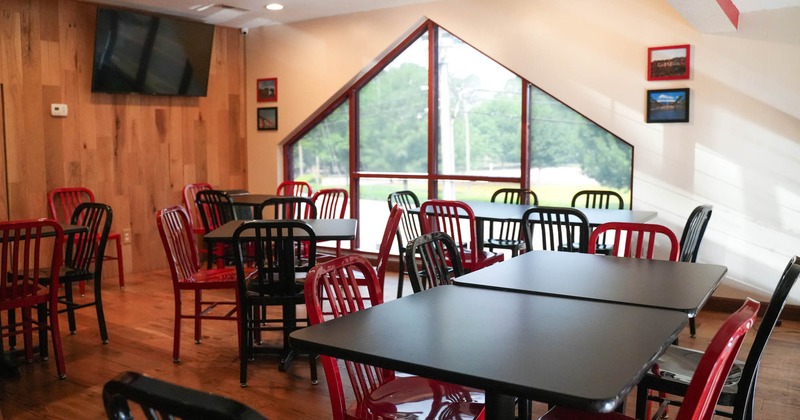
(668,63)
(267,90)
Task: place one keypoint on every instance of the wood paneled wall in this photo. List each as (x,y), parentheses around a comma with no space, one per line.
(134,152)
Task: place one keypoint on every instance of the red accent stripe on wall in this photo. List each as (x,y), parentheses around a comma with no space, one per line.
(730,11)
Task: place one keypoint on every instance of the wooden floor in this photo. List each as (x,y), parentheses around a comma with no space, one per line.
(140,328)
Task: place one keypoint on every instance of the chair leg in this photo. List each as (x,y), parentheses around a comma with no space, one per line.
(70,307)
(692,327)
(176,330)
(98,306)
(198,308)
(57,351)
(120,269)
(42,313)
(401,270)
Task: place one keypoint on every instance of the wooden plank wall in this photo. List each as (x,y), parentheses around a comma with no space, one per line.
(134,152)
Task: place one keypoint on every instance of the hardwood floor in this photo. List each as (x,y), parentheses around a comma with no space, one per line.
(140,320)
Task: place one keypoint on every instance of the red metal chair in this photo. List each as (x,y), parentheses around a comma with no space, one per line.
(180,247)
(331,203)
(456,219)
(189,195)
(62,203)
(295,188)
(26,255)
(378,392)
(635,240)
(395,215)
(708,379)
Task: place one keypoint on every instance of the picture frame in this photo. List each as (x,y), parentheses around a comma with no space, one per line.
(267,118)
(668,63)
(267,90)
(668,105)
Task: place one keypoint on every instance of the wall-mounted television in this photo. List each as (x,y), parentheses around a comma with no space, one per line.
(151,55)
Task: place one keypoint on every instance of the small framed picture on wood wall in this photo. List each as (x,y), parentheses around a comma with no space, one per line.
(267,118)
(267,90)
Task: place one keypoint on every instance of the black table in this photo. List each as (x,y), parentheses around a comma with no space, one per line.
(488,212)
(660,284)
(579,353)
(324,229)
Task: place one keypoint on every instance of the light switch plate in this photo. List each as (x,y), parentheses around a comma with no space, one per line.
(58,110)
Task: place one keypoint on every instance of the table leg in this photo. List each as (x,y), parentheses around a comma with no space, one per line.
(499,406)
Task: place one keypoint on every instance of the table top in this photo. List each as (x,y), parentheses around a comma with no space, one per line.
(660,284)
(580,353)
(501,211)
(324,229)
(249,199)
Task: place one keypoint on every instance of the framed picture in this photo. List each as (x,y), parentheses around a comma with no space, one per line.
(668,63)
(267,118)
(668,105)
(267,90)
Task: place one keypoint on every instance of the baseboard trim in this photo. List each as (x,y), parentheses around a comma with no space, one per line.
(730,305)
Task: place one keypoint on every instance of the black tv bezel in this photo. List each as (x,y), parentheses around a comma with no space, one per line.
(138,90)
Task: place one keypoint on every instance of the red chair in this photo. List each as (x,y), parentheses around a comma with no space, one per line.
(62,203)
(26,255)
(456,219)
(180,247)
(386,243)
(378,392)
(635,240)
(295,188)
(331,203)
(189,195)
(708,379)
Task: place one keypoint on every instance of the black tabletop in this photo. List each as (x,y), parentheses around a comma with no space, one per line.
(579,353)
(501,211)
(324,229)
(660,284)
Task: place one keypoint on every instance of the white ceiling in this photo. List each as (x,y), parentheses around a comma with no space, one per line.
(252,13)
(769,19)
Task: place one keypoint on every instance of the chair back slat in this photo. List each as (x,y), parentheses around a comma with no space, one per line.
(189,196)
(287,208)
(598,199)
(215,208)
(636,240)
(178,241)
(555,229)
(63,201)
(433,260)
(389,233)
(331,203)
(693,232)
(294,188)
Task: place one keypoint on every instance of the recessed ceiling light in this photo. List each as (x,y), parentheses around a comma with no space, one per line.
(274,6)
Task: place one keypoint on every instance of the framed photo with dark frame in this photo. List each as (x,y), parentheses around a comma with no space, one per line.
(668,63)
(668,105)
(267,90)
(267,118)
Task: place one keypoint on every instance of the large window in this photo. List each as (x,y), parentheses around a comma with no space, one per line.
(488,129)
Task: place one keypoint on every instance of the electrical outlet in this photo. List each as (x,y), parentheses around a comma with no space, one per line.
(126,236)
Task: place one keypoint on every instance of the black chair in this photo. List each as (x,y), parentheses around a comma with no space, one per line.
(506,234)
(439,261)
(599,199)
(676,367)
(159,399)
(267,268)
(216,209)
(690,242)
(555,229)
(81,262)
(409,229)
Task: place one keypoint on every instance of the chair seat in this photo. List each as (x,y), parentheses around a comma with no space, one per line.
(485,259)
(505,243)
(678,364)
(564,413)
(417,397)
(215,278)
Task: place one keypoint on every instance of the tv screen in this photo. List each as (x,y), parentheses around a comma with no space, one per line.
(153,55)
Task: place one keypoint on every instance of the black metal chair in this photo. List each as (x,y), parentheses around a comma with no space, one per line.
(159,399)
(287,208)
(690,242)
(439,261)
(507,234)
(81,262)
(599,199)
(555,229)
(676,367)
(267,268)
(216,209)
(409,229)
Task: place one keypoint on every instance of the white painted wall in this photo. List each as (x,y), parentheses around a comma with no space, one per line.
(739,152)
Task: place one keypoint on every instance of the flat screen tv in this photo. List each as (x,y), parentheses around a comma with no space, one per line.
(151,55)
